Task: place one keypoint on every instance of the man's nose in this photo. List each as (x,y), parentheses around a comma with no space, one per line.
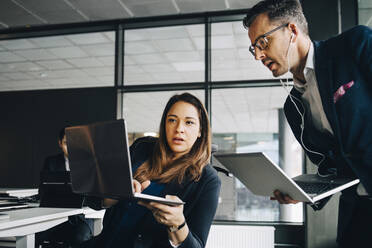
(258,54)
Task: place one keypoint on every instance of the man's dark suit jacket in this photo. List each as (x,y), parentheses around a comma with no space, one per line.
(343,68)
(77,229)
(201,199)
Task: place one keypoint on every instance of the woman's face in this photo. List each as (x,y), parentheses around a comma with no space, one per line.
(182,127)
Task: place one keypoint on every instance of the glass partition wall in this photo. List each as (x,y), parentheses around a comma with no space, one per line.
(148,63)
(243,118)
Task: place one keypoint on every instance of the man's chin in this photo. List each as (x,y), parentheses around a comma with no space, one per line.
(277,73)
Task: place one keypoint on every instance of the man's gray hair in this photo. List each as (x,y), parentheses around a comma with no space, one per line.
(278,11)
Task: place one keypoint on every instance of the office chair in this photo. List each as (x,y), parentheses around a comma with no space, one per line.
(217,168)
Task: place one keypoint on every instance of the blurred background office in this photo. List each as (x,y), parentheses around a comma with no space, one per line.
(81,61)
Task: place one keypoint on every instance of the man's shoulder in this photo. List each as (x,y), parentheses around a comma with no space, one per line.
(352,35)
(55,157)
(54,161)
(359,30)
(344,44)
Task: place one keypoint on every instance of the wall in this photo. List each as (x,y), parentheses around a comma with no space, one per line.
(31,120)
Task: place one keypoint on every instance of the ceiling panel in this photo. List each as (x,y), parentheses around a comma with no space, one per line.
(22,13)
(68,52)
(241,4)
(83,39)
(54,41)
(36,54)
(6,57)
(55,64)
(102,9)
(152,8)
(188,6)
(15,16)
(16,45)
(53,12)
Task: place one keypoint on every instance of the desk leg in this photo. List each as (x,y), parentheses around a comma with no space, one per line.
(27,241)
(97,226)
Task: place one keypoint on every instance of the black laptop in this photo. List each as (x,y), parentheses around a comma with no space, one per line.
(100,162)
(56,191)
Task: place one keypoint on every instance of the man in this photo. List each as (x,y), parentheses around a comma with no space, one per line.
(77,229)
(328,107)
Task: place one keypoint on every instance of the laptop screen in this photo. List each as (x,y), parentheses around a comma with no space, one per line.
(100,160)
(55,191)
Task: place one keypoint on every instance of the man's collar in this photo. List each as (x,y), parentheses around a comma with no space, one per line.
(310,59)
(309,65)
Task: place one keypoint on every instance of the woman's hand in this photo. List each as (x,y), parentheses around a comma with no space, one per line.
(165,214)
(170,216)
(139,187)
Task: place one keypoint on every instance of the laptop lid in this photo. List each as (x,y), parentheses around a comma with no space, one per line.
(100,161)
(262,177)
(56,191)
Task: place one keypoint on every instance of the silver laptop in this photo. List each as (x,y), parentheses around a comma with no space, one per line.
(262,177)
(100,162)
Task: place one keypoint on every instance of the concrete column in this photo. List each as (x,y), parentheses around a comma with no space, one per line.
(290,160)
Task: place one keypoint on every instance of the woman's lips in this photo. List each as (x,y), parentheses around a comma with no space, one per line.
(178,140)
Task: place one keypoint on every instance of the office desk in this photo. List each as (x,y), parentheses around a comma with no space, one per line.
(97,216)
(24,223)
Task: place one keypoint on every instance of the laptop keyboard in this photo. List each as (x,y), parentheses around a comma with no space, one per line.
(315,188)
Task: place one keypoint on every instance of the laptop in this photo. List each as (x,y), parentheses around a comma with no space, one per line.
(56,191)
(6,205)
(262,177)
(100,162)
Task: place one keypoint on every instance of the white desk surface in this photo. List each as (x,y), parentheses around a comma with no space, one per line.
(40,219)
(19,192)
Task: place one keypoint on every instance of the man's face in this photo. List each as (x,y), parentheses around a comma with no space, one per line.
(63,145)
(274,56)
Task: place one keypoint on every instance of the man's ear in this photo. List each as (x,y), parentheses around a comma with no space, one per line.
(294,31)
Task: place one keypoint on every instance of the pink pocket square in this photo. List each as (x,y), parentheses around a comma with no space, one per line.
(342,90)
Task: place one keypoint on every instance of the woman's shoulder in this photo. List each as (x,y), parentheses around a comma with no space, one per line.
(210,174)
(144,143)
(142,149)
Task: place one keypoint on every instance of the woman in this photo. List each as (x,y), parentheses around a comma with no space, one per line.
(174,165)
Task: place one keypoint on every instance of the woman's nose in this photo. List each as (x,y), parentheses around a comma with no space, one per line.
(180,127)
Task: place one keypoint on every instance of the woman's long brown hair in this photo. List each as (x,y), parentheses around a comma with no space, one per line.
(161,166)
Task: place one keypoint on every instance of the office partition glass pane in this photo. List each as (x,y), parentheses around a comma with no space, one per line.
(164,55)
(249,120)
(230,56)
(142,111)
(365,12)
(67,61)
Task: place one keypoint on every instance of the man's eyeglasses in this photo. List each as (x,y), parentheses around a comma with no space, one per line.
(262,42)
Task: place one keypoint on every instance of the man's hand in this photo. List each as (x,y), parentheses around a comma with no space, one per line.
(283,198)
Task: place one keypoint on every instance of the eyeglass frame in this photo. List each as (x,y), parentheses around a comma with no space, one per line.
(264,36)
